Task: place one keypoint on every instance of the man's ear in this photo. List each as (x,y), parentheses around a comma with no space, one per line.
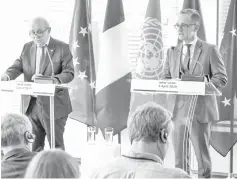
(196,28)
(49,28)
(163,135)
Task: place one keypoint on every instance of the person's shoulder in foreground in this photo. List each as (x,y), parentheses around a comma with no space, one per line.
(119,168)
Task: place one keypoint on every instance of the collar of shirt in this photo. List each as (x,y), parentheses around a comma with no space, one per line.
(143,156)
(47,43)
(14,152)
(193,44)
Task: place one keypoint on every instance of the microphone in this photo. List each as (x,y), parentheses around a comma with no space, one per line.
(188,77)
(46,79)
(50,60)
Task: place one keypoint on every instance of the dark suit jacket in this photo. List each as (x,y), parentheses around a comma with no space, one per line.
(63,70)
(15,162)
(209,57)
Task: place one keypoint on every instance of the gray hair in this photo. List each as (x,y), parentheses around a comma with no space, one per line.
(195,16)
(40,20)
(13,128)
(147,121)
(54,163)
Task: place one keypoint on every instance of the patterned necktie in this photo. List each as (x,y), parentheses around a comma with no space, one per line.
(187,58)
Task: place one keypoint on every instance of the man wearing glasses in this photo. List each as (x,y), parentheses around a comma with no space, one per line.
(16,142)
(198,58)
(34,60)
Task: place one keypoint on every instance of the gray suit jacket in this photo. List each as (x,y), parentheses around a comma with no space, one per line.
(206,56)
(63,70)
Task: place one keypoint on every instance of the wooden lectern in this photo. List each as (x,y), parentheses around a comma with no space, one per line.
(30,88)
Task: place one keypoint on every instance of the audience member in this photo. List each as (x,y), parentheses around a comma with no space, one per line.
(16,139)
(149,127)
(53,164)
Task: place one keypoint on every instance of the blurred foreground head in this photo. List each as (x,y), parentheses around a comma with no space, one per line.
(54,163)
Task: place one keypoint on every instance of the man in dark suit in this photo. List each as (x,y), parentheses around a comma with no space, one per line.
(194,57)
(16,139)
(34,60)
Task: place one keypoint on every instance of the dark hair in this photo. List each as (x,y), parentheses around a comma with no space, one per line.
(195,16)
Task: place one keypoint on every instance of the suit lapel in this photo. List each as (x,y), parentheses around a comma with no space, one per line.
(196,55)
(177,57)
(51,50)
(33,57)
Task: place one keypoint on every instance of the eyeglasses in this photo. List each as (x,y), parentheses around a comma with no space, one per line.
(39,33)
(177,26)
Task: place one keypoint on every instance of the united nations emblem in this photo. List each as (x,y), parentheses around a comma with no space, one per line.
(151,52)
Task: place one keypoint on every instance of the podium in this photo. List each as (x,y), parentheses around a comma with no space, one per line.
(177,87)
(35,89)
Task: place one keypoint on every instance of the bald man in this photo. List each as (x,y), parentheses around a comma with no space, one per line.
(34,60)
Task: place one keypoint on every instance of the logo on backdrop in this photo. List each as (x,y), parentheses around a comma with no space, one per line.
(151,51)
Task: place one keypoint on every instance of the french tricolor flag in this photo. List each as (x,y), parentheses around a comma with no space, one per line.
(114,73)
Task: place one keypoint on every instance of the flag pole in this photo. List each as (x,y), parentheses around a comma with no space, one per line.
(217,21)
(231,139)
(232,121)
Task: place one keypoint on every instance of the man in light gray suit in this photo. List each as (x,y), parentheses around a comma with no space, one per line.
(195,57)
(34,60)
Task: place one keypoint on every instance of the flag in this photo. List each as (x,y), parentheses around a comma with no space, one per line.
(82,92)
(113,75)
(195,4)
(150,58)
(224,140)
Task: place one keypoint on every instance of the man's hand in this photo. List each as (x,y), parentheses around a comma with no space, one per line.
(4,77)
(56,81)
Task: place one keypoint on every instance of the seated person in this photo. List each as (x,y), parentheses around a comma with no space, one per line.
(149,127)
(53,163)
(16,138)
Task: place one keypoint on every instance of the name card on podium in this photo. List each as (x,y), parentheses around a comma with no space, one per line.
(168,86)
(28,88)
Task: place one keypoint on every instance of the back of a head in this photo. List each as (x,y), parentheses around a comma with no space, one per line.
(13,128)
(53,164)
(147,121)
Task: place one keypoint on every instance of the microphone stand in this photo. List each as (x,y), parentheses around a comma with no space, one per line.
(46,79)
(49,80)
